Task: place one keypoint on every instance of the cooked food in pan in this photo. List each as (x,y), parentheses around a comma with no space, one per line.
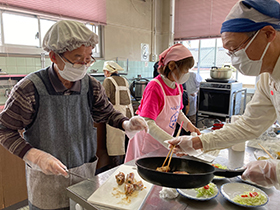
(167,169)
(180,172)
(200,173)
(120,178)
(163,169)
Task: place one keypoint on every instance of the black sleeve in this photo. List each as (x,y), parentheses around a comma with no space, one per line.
(185,98)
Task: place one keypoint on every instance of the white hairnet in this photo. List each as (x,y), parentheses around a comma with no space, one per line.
(68,35)
(112,66)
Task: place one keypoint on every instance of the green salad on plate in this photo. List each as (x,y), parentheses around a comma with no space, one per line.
(206,191)
(250,198)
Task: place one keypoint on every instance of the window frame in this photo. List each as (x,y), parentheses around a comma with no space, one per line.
(31,50)
(2,29)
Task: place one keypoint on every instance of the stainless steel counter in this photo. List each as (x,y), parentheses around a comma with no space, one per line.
(81,191)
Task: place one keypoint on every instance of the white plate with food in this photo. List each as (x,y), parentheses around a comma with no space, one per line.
(261,155)
(250,182)
(217,165)
(122,191)
(244,195)
(207,192)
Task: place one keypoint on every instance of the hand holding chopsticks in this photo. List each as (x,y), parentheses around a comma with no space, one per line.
(185,145)
(166,168)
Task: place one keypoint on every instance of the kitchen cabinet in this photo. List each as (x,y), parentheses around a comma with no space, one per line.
(101,153)
(12,169)
(12,179)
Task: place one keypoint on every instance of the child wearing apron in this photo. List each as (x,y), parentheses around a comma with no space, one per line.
(161,103)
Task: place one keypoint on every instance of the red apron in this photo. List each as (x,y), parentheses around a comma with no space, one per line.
(143,143)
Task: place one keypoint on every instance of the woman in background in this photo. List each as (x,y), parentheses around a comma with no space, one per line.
(117,90)
(192,87)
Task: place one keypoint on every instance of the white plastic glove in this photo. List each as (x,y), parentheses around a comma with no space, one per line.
(134,125)
(184,146)
(48,164)
(262,172)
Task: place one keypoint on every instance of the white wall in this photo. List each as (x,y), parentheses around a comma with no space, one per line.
(129,23)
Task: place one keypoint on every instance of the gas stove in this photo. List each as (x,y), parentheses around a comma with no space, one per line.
(221,80)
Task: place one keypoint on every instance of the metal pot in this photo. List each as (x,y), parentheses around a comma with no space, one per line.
(200,173)
(137,87)
(220,73)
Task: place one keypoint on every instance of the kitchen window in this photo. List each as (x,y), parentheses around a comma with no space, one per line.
(23,33)
(45,26)
(20,30)
(95,29)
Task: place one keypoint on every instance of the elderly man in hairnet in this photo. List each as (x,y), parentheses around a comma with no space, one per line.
(57,107)
(251,35)
(117,90)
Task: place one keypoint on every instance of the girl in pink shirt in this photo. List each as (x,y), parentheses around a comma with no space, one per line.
(161,104)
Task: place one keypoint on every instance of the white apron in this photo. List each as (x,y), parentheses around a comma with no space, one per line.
(115,138)
(143,143)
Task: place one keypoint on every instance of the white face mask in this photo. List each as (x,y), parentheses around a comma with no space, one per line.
(181,79)
(72,74)
(244,64)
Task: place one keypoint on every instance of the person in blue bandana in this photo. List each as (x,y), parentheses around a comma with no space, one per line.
(251,34)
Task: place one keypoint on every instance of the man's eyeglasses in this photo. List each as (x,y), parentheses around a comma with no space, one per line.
(80,64)
(232,52)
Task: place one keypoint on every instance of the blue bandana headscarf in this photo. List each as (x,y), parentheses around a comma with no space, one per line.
(252,15)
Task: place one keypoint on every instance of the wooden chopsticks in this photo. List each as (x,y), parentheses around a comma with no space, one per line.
(266,151)
(172,148)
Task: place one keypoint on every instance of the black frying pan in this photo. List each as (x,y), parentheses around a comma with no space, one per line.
(200,174)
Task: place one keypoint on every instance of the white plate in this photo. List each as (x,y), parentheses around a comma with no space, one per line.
(261,153)
(191,194)
(249,182)
(230,190)
(111,195)
(219,177)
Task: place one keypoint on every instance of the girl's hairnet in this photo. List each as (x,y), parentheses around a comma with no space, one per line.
(68,35)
